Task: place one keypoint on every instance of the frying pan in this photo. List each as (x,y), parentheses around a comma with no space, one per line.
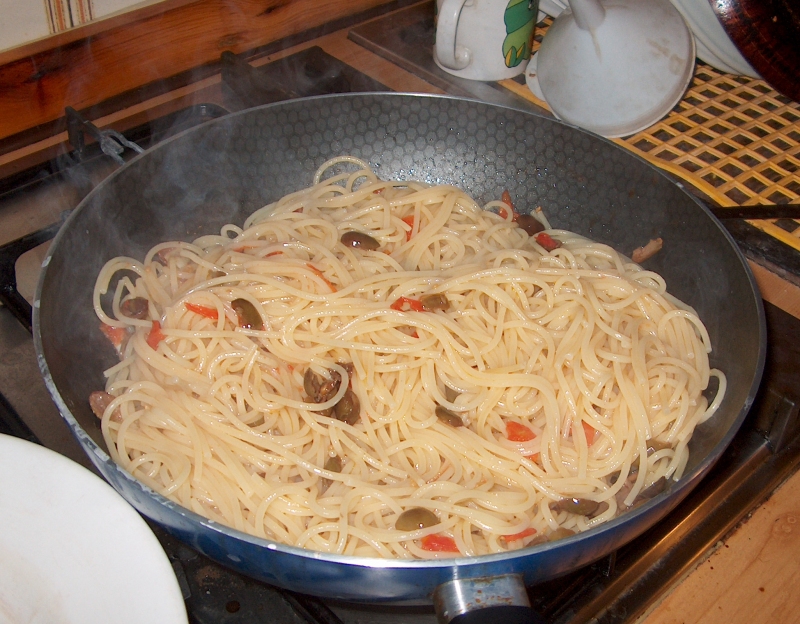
(223,170)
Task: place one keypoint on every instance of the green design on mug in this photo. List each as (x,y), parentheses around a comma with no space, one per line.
(520,19)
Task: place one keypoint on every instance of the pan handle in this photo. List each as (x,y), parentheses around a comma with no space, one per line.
(485,600)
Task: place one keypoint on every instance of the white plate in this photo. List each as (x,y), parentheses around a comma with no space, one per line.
(72,551)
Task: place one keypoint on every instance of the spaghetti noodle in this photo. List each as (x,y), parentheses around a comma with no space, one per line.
(387,369)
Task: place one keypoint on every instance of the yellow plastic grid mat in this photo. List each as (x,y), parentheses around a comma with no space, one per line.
(733,138)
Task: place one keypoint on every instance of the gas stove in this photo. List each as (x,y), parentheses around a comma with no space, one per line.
(618,589)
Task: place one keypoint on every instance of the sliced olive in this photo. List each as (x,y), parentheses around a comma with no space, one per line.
(450,394)
(560,533)
(416,518)
(136,307)
(530,224)
(601,509)
(349,367)
(654,445)
(448,417)
(249,317)
(348,409)
(580,506)
(321,389)
(433,302)
(333,464)
(359,240)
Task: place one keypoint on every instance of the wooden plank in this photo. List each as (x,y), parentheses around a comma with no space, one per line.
(779,292)
(752,578)
(35,89)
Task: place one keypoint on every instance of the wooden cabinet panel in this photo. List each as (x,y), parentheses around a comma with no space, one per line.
(147,47)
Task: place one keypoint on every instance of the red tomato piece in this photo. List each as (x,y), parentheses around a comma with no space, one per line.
(590,432)
(409,220)
(547,241)
(519,433)
(320,275)
(202,310)
(439,543)
(115,335)
(404,304)
(155,336)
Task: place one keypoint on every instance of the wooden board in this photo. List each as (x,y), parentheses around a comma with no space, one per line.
(752,578)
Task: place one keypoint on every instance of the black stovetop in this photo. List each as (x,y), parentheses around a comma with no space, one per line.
(615,590)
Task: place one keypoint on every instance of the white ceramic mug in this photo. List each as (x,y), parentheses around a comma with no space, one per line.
(484,39)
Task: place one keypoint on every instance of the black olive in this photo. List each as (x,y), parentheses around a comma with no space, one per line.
(416,518)
(321,389)
(559,533)
(137,307)
(448,417)
(333,464)
(580,506)
(348,409)
(433,302)
(359,240)
(530,224)
(450,394)
(249,317)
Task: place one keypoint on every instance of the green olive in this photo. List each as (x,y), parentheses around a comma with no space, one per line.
(137,307)
(448,417)
(249,317)
(333,464)
(348,409)
(433,302)
(580,506)
(415,518)
(321,389)
(450,394)
(530,224)
(359,240)
(560,533)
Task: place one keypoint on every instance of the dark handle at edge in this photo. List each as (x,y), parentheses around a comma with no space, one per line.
(506,614)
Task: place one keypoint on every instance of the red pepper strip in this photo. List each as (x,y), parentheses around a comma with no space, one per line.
(115,335)
(403,304)
(521,535)
(273,253)
(506,199)
(319,274)
(439,543)
(590,432)
(155,336)
(519,433)
(409,220)
(547,241)
(202,310)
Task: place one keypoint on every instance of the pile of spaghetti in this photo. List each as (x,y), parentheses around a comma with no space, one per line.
(388,369)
